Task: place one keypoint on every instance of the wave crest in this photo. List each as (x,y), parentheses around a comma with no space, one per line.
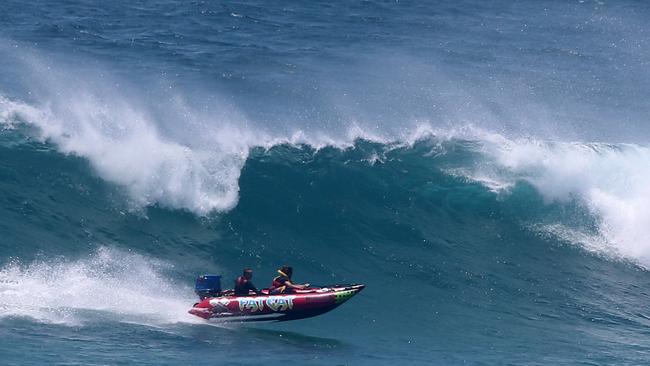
(125,147)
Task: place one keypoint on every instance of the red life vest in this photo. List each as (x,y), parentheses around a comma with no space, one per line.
(242,286)
(278,286)
(277,283)
(241,281)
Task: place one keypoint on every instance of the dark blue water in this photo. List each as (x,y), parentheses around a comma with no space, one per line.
(482,167)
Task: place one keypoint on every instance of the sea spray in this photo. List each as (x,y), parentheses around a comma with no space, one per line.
(116,284)
(611,180)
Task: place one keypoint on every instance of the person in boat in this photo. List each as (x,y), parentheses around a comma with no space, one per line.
(282,284)
(243,284)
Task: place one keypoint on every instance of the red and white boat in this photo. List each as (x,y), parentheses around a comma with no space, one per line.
(301,304)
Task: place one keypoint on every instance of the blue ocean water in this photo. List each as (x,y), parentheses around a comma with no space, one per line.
(481,166)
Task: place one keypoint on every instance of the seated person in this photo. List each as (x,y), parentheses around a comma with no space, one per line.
(283,285)
(243,284)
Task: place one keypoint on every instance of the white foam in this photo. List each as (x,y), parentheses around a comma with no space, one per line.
(613,181)
(593,243)
(124,146)
(120,285)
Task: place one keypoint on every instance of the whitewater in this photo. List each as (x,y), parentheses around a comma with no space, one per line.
(483,169)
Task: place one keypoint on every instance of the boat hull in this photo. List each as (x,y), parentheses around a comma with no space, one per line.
(299,305)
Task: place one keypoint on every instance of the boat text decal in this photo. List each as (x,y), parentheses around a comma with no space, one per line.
(280,303)
(274,303)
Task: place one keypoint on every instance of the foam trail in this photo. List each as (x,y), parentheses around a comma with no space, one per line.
(120,285)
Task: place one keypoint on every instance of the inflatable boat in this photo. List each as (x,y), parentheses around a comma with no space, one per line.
(225,306)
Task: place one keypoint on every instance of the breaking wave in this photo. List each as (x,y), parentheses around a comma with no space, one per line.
(124,147)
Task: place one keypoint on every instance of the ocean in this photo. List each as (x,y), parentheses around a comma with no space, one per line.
(482,167)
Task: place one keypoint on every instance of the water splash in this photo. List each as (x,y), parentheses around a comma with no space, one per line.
(119,285)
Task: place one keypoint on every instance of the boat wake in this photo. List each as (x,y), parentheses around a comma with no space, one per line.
(108,284)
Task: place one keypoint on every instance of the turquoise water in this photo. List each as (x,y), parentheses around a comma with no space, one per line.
(481,168)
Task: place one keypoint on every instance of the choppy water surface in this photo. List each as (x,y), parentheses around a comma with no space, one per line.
(483,168)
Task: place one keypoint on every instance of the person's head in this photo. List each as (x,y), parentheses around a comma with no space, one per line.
(248,273)
(287,270)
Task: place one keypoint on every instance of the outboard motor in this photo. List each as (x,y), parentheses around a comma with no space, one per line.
(208,286)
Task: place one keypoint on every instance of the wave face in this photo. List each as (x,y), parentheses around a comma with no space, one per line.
(483,169)
(459,244)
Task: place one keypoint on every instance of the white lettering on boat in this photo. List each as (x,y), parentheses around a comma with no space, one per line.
(274,303)
(280,303)
(252,304)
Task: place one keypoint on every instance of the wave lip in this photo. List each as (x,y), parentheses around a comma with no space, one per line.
(611,181)
(125,147)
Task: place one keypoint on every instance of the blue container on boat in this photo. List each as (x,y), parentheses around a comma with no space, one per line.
(208,286)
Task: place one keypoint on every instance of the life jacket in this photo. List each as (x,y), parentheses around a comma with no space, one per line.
(241,287)
(278,286)
(240,281)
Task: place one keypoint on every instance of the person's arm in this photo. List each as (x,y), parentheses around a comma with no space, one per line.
(252,287)
(295,286)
